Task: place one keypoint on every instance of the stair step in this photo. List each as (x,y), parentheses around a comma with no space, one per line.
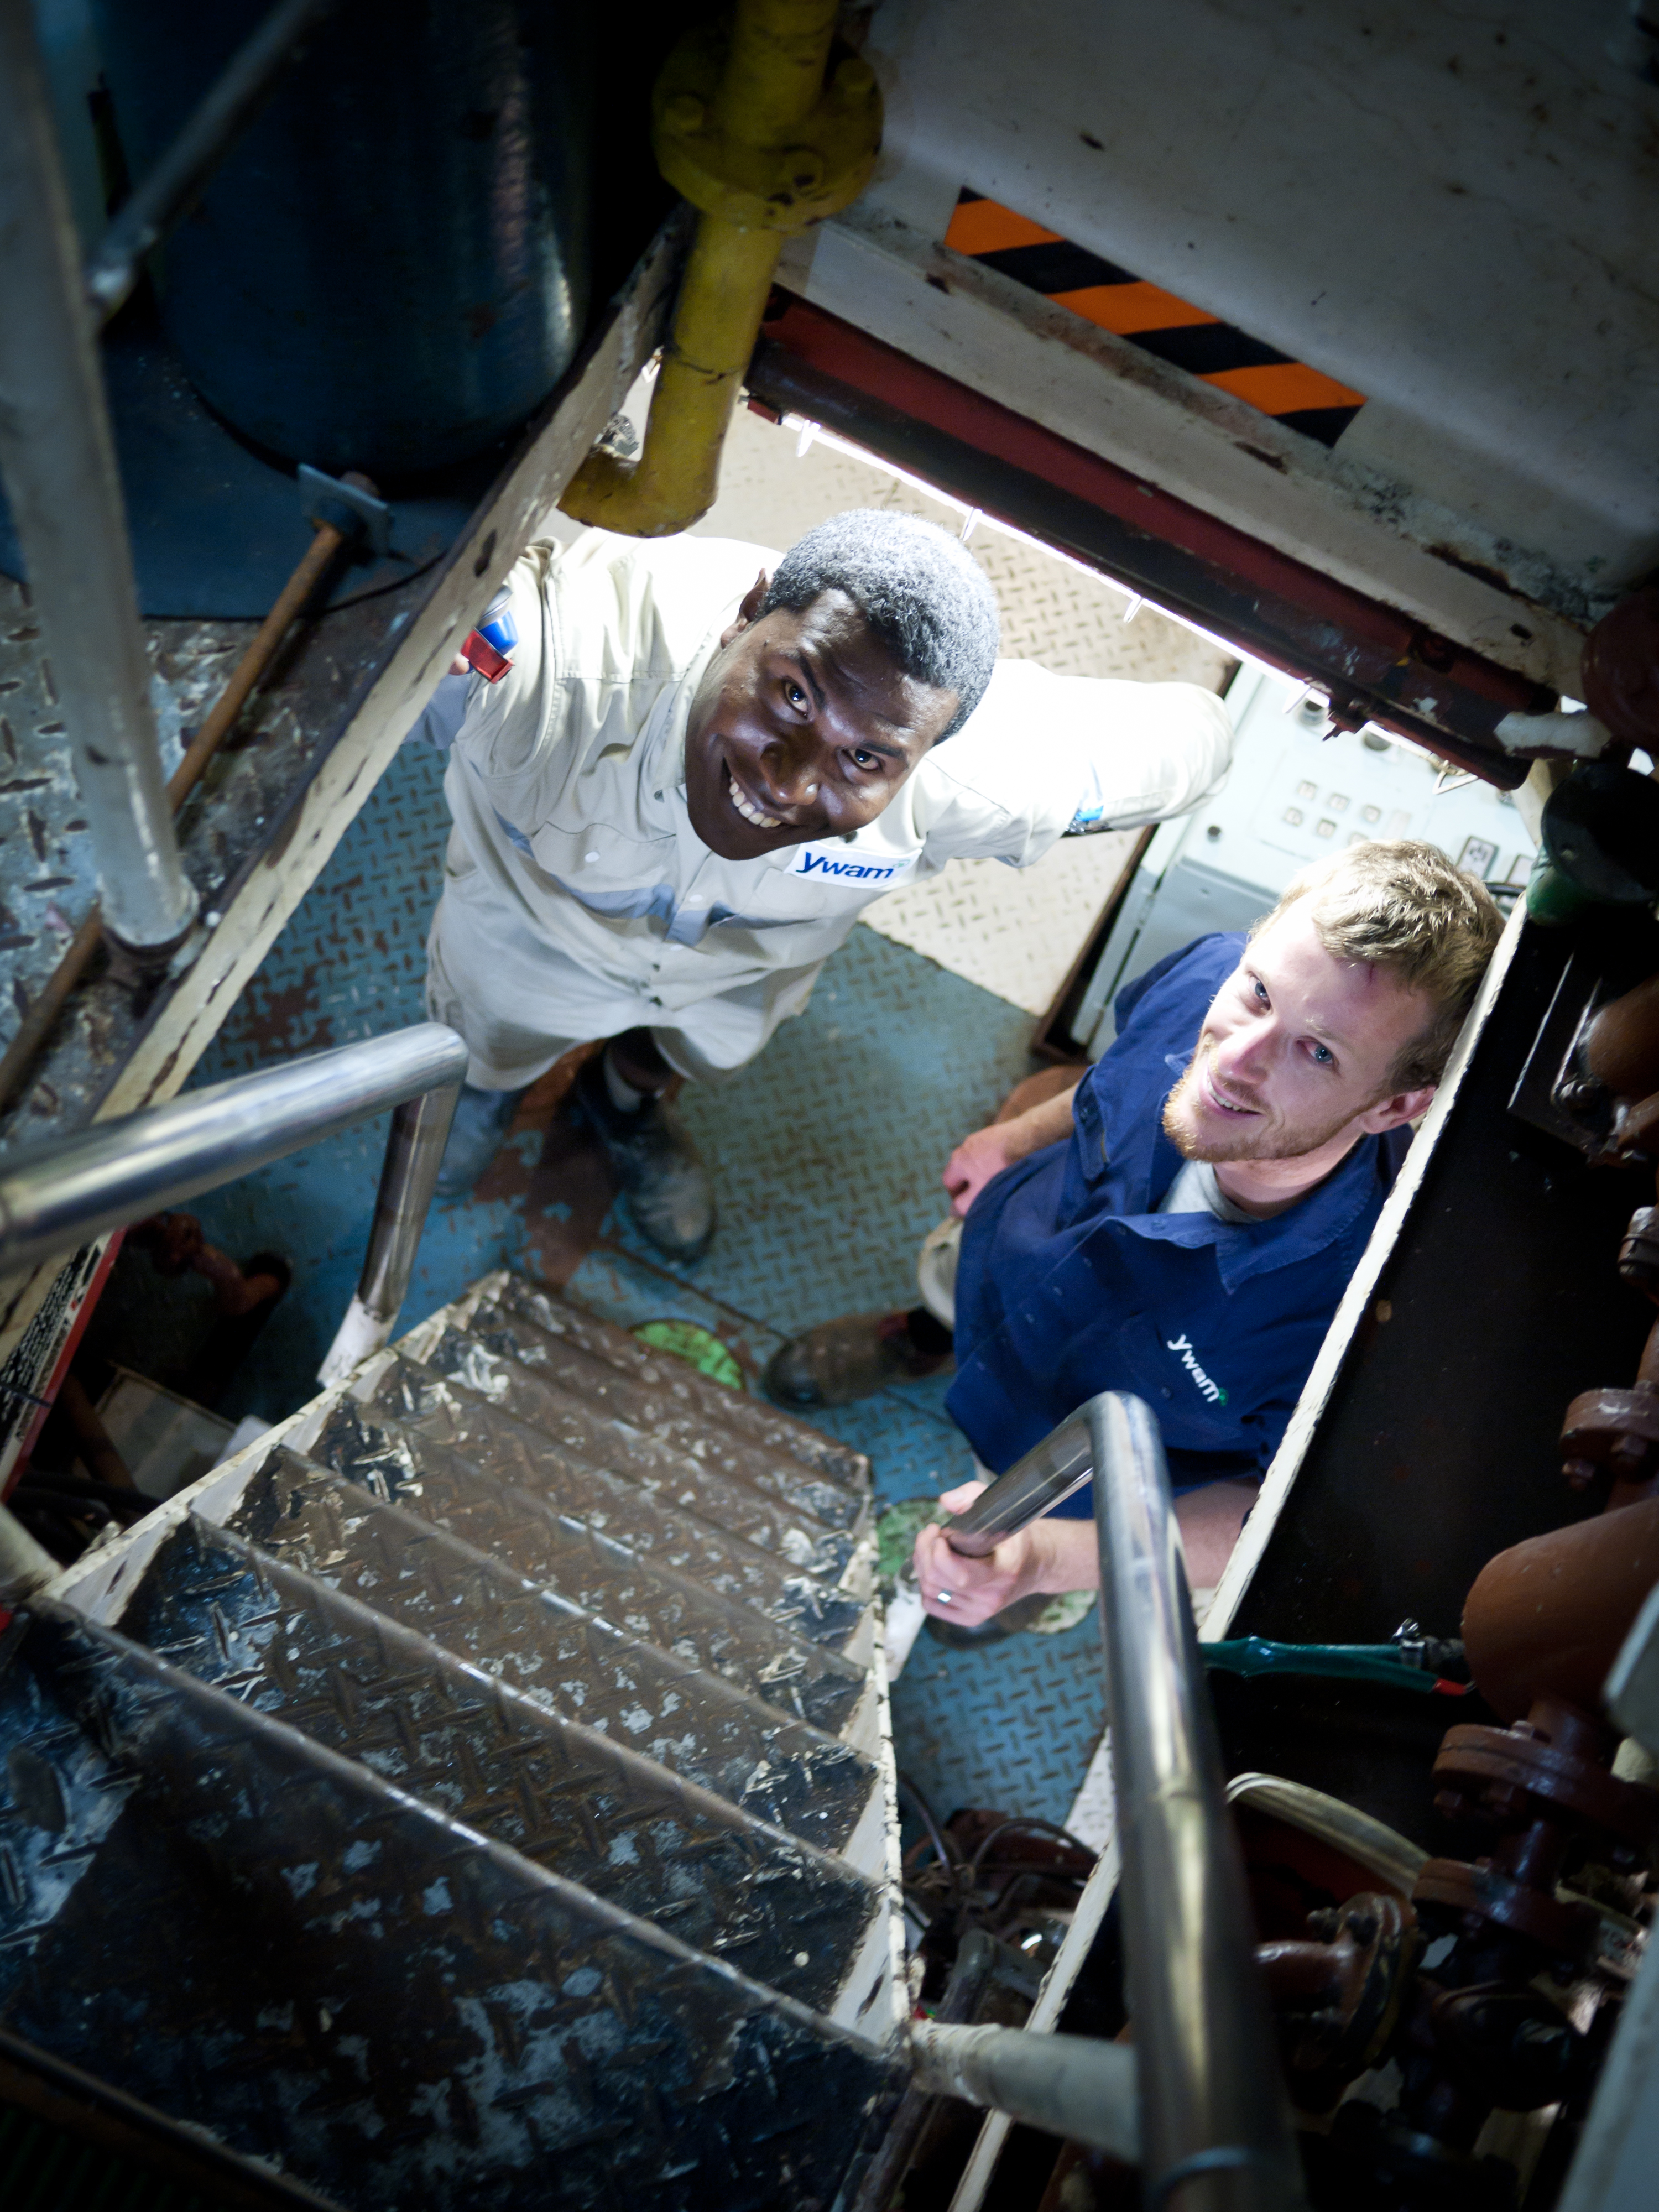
(604,1575)
(436,1416)
(564,1657)
(652,1400)
(675,1476)
(710,1403)
(561,1795)
(259,1937)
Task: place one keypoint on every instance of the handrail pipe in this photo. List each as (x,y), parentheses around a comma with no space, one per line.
(745,128)
(57,458)
(1215,2125)
(57,1196)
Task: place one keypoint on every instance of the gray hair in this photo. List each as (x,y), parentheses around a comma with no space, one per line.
(923,594)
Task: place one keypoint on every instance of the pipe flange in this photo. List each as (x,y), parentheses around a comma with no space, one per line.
(1504,1768)
(1338,1997)
(1618,1429)
(1638,1256)
(826,164)
(1477,1890)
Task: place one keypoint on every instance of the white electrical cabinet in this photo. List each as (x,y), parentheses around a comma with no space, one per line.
(1296,791)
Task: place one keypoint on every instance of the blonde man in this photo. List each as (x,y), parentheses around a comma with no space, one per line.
(1182,1224)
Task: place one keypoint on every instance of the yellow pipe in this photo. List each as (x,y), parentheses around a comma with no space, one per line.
(746,130)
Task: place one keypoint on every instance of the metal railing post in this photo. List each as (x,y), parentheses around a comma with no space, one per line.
(1215,2127)
(57,457)
(414,1152)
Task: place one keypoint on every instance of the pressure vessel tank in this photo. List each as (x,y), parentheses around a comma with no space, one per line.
(389,270)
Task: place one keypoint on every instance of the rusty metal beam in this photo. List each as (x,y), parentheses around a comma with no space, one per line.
(1376,662)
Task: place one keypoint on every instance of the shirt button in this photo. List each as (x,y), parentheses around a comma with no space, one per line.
(696,899)
(590,858)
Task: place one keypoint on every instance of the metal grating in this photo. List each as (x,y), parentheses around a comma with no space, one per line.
(557,1654)
(560,1794)
(599,1572)
(272,1942)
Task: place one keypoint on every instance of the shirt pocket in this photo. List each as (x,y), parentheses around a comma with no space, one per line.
(1088,1152)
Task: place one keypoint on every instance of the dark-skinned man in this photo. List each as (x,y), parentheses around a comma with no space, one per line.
(702,764)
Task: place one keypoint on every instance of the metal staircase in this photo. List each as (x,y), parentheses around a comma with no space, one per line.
(478,1792)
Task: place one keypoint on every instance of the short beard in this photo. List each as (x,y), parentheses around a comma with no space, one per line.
(1250,1143)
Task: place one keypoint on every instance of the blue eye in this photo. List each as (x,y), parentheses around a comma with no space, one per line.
(1323,1055)
(1260,989)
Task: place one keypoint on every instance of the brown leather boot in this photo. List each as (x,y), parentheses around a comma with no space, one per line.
(852,1357)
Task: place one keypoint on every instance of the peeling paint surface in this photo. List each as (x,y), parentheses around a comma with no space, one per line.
(561,1795)
(286,1949)
(555,1652)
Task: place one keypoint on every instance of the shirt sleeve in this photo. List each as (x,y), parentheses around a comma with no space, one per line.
(1043,754)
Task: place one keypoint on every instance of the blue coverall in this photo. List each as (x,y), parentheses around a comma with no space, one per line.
(1070,1281)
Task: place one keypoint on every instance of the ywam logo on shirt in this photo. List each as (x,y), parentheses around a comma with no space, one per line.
(842,863)
(1213,1391)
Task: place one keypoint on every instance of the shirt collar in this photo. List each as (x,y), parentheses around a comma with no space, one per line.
(1301,1232)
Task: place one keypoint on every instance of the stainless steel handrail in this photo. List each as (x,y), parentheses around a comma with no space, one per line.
(57,1196)
(1033,1485)
(1214,2125)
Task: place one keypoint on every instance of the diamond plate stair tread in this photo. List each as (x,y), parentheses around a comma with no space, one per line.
(258,1937)
(708,1403)
(556,1654)
(600,1574)
(648,1405)
(675,1476)
(560,1794)
(436,1416)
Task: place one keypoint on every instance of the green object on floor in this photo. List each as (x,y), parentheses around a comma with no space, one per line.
(697,1346)
(1063,1611)
(1552,901)
(896,1532)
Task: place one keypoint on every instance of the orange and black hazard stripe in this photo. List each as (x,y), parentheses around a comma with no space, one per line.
(1115,299)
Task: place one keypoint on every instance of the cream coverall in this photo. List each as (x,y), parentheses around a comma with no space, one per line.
(579,902)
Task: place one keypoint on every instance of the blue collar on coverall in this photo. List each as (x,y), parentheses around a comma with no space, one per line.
(1070,1281)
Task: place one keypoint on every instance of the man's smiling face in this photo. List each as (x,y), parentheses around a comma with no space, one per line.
(1296,1053)
(803,726)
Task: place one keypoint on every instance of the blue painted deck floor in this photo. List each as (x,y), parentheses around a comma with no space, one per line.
(827,1151)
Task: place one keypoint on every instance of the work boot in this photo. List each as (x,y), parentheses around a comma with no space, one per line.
(482,1119)
(663,1182)
(852,1357)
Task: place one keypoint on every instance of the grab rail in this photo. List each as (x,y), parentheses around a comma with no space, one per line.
(1213,2122)
(55,1197)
